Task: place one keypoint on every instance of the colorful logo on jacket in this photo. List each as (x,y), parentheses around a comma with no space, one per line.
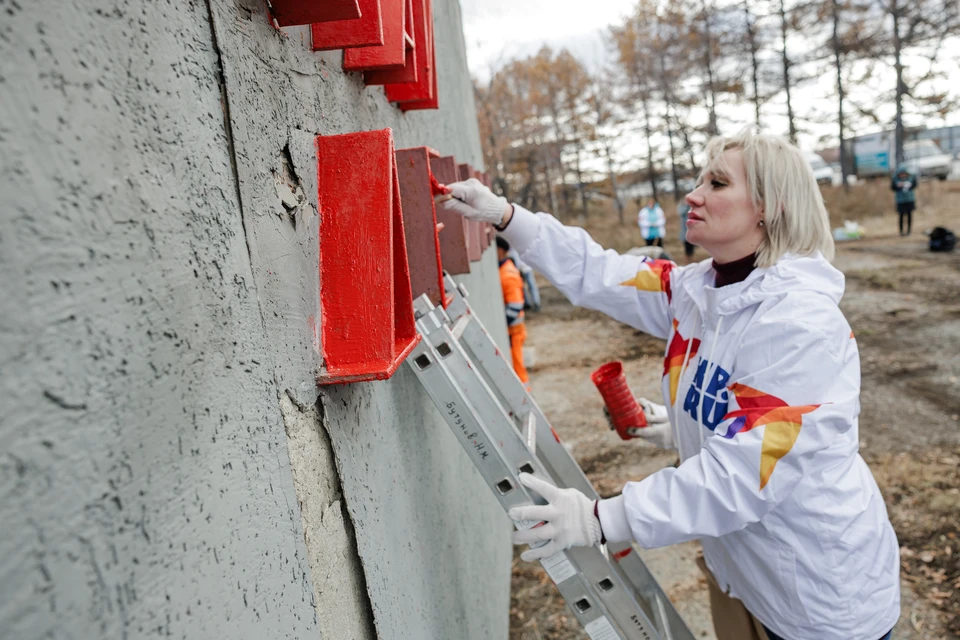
(655,278)
(676,354)
(782,422)
(715,395)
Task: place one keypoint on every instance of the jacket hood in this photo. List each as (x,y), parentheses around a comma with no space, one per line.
(791,274)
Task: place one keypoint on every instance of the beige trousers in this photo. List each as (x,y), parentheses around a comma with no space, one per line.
(731,620)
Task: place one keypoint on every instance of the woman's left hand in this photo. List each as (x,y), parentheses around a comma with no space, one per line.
(567,521)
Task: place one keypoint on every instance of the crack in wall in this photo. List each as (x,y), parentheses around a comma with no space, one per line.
(310,442)
(231,148)
(367,603)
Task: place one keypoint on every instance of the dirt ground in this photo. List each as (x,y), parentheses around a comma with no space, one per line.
(903,303)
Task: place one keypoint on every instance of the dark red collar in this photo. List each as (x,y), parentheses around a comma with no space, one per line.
(733,272)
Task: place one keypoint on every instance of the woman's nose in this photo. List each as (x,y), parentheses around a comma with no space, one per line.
(694,198)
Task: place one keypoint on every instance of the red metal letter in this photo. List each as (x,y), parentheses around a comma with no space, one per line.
(391,54)
(289,13)
(366,308)
(365,31)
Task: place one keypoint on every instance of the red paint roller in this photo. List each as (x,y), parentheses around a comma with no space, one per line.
(625,414)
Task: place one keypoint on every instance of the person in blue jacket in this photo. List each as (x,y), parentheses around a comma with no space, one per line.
(904,184)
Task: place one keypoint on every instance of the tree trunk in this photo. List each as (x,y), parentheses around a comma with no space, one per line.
(840,119)
(558,146)
(685,136)
(617,200)
(754,64)
(582,187)
(667,95)
(551,196)
(898,65)
(786,72)
(651,172)
(708,63)
(673,163)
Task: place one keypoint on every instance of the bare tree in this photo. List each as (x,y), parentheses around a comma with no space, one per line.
(785,60)
(920,28)
(601,101)
(753,46)
(636,56)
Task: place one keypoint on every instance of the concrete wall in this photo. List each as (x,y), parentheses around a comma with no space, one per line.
(168,466)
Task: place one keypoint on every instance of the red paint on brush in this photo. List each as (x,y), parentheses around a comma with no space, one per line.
(290,13)
(366,307)
(365,31)
(420,223)
(436,188)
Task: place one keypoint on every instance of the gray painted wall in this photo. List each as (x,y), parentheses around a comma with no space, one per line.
(168,466)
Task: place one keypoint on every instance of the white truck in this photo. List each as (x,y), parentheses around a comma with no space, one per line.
(875,156)
(822,171)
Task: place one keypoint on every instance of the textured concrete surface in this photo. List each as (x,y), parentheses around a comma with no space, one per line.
(145,486)
(166,466)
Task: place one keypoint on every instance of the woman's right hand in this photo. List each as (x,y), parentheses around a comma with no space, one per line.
(474,201)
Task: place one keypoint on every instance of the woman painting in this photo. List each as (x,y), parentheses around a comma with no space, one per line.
(762,384)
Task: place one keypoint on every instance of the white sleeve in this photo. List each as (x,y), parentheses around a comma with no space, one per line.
(632,289)
(795,391)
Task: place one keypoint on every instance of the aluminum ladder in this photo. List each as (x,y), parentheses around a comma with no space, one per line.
(607,587)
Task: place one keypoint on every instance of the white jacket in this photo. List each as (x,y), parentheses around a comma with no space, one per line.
(771,482)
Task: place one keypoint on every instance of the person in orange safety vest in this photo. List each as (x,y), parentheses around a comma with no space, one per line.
(512,284)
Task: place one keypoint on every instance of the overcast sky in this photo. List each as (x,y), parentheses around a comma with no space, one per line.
(502,29)
(498,30)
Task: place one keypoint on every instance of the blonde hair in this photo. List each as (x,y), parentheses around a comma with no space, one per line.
(781,184)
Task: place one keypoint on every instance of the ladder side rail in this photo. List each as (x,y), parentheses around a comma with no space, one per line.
(500,374)
(615,589)
(430,366)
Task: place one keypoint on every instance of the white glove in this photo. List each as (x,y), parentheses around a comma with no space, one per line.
(568,520)
(472,200)
(655,413)
(659,431)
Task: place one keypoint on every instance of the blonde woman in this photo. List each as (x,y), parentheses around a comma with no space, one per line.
(762,383)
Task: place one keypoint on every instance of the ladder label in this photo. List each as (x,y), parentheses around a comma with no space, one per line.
(601,629)
(472,436)
(558,567)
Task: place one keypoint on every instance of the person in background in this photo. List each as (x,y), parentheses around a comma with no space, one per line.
(652,223)
(683,210)
(904,184)
(512,284)
(531,290)
(761,382)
